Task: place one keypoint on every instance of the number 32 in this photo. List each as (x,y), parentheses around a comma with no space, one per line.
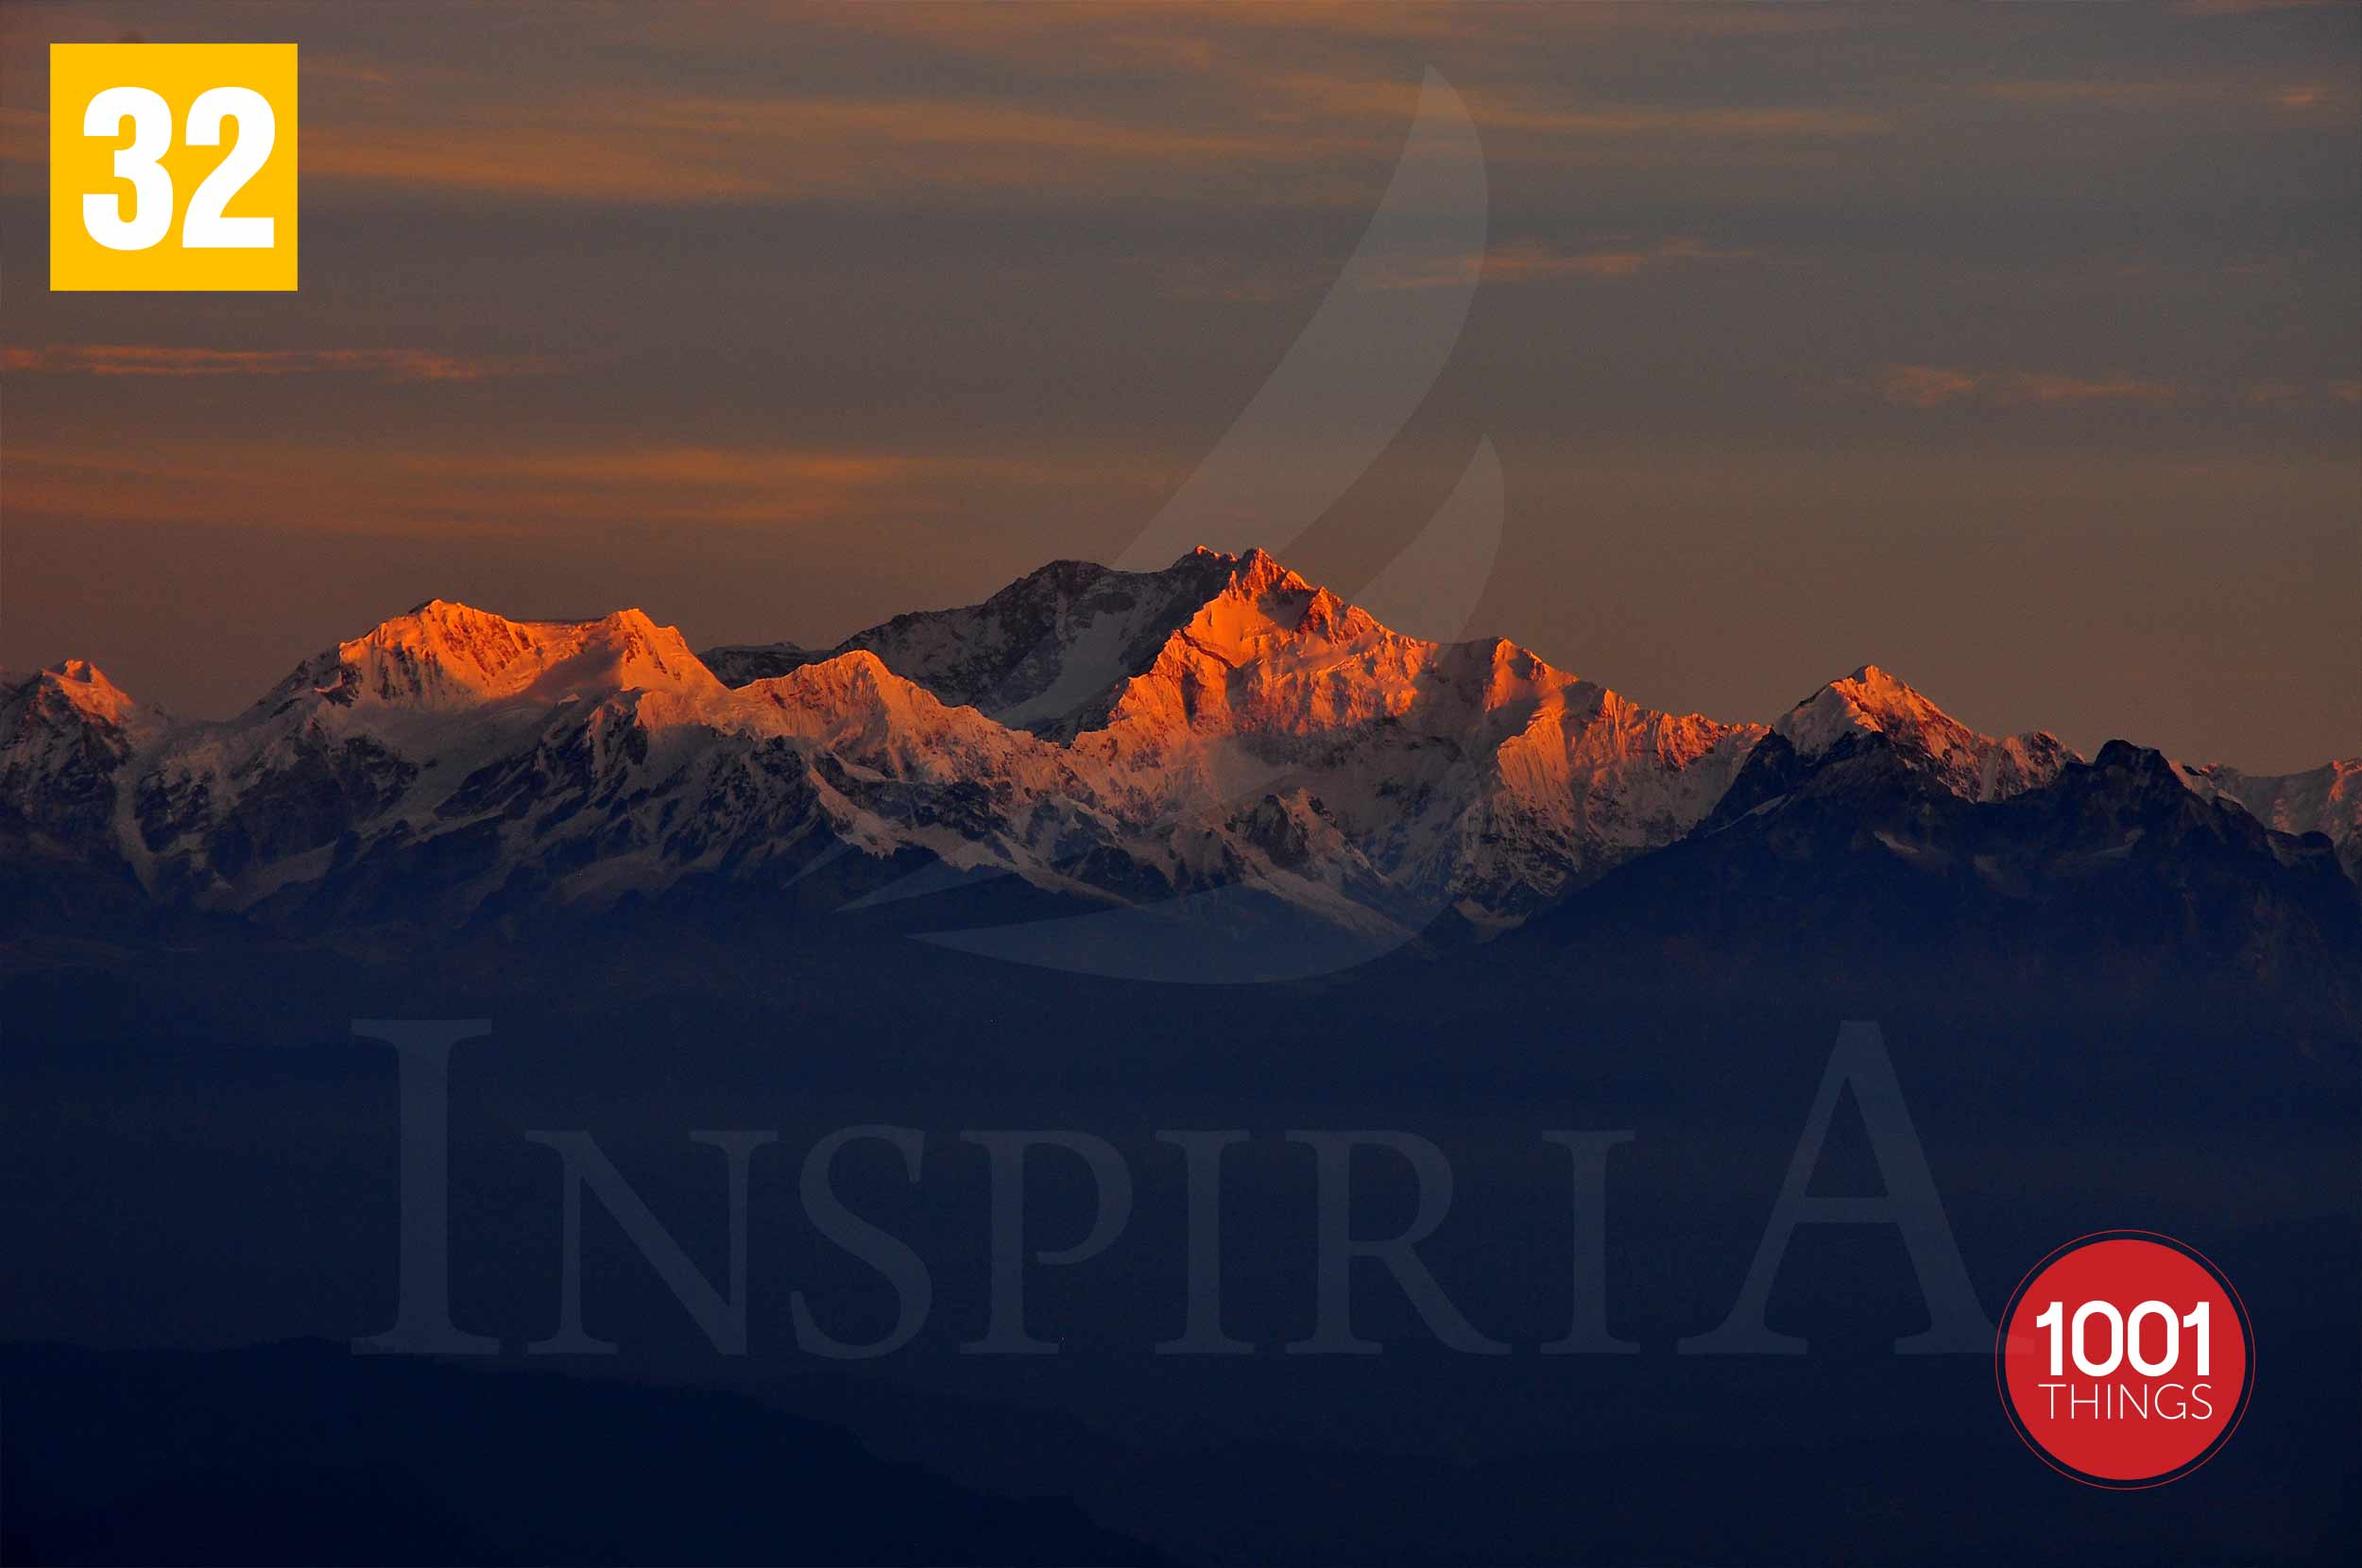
(205,228)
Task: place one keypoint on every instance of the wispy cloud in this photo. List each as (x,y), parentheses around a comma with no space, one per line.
(2108,93)
(1537,263)
(1924,385)
(1610,260)
(2302,101)
(2297,394)
(698,150)
(1942,386)
(2051,386)
(357,487)
(1534,263)
(147,359)
(1208,100)
(1938,387)
(2303,97)
(1571,124)
(683,151)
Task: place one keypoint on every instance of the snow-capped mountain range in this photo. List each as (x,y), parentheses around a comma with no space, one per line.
(1116,739)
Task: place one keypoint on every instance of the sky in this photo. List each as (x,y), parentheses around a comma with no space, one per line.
(2017,350)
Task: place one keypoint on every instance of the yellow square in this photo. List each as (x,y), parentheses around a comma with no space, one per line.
(155,180)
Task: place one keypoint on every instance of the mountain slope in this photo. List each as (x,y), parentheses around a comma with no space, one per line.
(446,656)
(1046,653)
(66,734)
(1970,765)
(1472,774)
(1110,738)
(70,741)
(1862,877)
(2325,800)
(1231,725)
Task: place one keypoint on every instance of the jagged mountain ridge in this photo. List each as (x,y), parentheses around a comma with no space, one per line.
(64,732)
(1047,654)
(1856,874)
(1971,766)
(2327,800)
(1110,737)
(1271,735)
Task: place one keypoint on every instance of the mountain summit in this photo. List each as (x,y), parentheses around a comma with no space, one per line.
(445,655)
(1047,654)
(1112,738)
(1973,766)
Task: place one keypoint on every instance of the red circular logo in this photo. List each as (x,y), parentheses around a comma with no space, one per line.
(2125,1359)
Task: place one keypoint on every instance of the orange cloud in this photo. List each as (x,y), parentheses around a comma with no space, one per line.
(588,164)
(143,359)
(1936,385)
(357,487)
(2229,92)
(1924,385)
(1740,122)
(698,150)
(1219,106)
(2130,94)
(2273,394)
(1531,263)
(1495,107)
(685,467)
(2051,387)
(1212,103)
(2294,394)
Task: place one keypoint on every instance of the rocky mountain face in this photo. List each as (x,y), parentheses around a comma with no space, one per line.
(1860,873)
(2327,800)
(66,734)
(1924,738)
(1047,654)
(1109,735)
(1111,739)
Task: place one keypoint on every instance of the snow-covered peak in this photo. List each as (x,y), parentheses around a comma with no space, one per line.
(1263,606)
(1220,721)
(1270,654)
(1974,765)
(851,682)
(83,687)
(1474,771)
(65,734)
(444,656)
(72,694)
(2327,799)
(1869,700)
(852,700)
(1045,654)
